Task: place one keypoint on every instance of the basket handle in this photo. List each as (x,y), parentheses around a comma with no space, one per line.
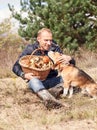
(35,51)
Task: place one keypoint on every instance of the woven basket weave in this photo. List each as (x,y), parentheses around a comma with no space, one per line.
(40,73)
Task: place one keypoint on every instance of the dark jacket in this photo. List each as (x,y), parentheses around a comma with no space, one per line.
(28,50)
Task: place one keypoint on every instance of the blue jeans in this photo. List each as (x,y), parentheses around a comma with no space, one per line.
(36,85)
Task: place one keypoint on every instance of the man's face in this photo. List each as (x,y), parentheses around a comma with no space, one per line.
(45,40)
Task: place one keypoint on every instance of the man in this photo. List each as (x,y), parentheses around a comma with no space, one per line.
(46,43)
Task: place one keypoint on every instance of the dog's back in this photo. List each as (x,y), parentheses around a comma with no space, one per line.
(75,76)
(85,76)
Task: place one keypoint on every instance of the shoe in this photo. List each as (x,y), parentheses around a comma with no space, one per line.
(49,100)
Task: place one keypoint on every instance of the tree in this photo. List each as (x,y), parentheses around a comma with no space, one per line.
(73,23)
(5,26)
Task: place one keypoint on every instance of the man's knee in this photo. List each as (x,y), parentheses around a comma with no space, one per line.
(36,85)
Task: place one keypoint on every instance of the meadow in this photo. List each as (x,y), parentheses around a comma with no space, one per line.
(21,109)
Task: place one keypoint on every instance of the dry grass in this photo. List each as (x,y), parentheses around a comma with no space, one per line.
(22,109)
(87,61)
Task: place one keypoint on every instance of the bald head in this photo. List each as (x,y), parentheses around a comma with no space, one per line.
(44,38)
(44,30)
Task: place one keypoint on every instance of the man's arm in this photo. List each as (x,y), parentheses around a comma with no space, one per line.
(16,67)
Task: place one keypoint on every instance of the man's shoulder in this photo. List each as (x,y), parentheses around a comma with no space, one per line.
(55,47)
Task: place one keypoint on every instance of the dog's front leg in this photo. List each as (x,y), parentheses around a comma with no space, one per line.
(70,92)
(66,88)
(65,92)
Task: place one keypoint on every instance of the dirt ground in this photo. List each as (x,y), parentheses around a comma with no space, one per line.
(21,109)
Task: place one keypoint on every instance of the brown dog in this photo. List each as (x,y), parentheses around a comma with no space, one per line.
(74,77)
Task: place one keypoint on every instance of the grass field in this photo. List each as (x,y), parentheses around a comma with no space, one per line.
(21,109)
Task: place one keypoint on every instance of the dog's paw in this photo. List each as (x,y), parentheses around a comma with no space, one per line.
(63,96)
(69,96)
(93,98)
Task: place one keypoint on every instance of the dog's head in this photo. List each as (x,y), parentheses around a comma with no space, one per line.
(60,60)
(54,57)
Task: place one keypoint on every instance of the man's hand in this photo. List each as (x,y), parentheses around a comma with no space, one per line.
(64,59)
(29,76)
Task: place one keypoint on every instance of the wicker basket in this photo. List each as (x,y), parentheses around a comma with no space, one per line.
(41,73)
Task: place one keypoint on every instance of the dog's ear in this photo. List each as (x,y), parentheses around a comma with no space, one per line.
(56,65)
